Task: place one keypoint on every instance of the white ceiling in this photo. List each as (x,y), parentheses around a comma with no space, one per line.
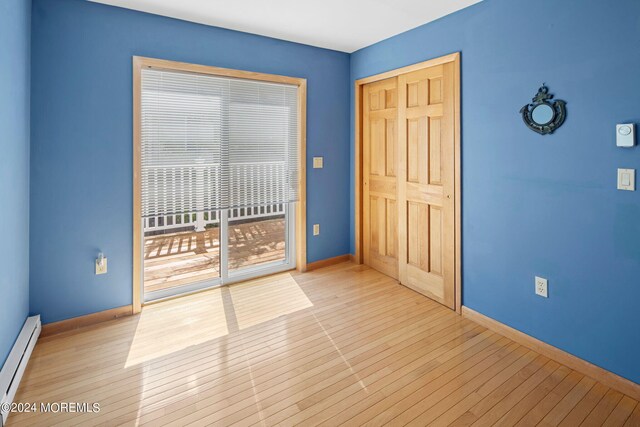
(344,25)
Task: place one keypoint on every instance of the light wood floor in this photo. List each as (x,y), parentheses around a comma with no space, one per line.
(177,259)
(343,345)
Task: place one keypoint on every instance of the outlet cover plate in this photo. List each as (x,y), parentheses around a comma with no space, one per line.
(541,287)
(316,229)
(101,269)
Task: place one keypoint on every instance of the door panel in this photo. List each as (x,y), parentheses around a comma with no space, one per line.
(426,170)
(380,156)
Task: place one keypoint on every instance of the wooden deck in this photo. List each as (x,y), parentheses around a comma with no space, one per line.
(181,258)
(343,345)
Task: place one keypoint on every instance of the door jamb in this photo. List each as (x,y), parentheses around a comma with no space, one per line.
(455,59)
(138,63)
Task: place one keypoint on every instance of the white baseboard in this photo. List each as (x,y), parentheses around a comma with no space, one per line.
(16,363)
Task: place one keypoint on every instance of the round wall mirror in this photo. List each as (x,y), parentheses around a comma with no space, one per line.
(545,114)
(542,114)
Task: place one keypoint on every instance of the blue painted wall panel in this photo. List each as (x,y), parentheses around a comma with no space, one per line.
(15,36)
(544,205)
(532,205)
(81,170)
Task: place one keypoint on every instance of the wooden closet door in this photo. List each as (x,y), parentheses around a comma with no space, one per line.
(426,172)
(379,171)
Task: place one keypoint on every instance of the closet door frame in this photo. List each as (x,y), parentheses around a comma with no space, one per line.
(453,58)
(300,221)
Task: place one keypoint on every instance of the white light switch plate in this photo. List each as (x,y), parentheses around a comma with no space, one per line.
(318,162)
(627,179)
(541,287)
(316,229)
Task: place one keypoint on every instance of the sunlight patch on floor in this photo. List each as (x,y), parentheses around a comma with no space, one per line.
(175,325)
(261,300)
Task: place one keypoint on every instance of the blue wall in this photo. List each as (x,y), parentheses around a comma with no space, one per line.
(15,36)
(81,170)
(544,205)
(532,205)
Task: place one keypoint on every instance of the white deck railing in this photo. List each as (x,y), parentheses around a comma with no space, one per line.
(200,220)
(250,177)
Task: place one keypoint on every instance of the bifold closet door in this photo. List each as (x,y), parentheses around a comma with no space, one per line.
(426,182)
(379,170)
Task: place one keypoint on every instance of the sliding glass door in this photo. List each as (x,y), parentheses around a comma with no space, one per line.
(219,175)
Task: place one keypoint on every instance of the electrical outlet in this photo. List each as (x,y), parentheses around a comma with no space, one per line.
(318,162)
(316,229)
(101,265)
(541,287)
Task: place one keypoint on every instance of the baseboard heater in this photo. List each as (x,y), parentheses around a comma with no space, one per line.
(16,363)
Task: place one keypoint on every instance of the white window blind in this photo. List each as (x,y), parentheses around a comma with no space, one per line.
(212,142)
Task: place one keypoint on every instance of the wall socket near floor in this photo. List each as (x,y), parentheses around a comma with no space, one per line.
(316,229)
(101,264)
(541,287)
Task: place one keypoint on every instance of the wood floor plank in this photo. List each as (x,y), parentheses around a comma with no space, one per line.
(540,366)
(319,377)
(256,371)
(526,366)
(393,401)
(359,409)
(418,406)
(290,329)
(562,409)
(603,409)
(341,345)
(493,374)
(271,360)
(580,411)
(279,406)
(344,395)
(634,418)
(538,412)
(515,405)
(621,412)
(282,380)
(91,382)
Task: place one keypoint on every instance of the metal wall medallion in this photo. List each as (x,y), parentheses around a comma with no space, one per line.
(545,114)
